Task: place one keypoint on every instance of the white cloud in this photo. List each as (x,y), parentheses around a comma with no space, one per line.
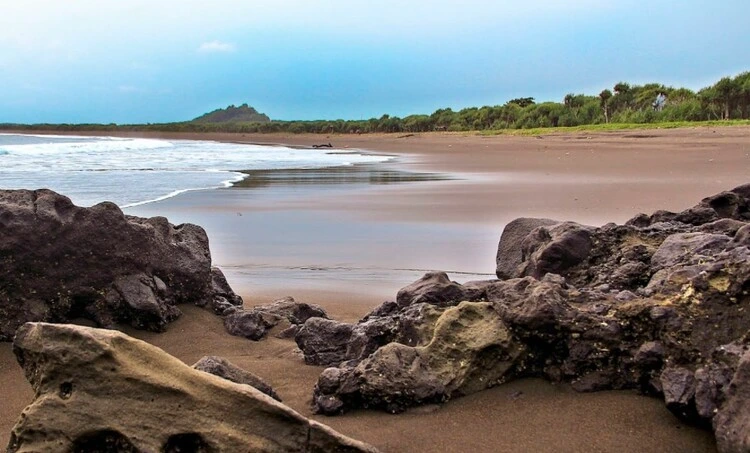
(216,47)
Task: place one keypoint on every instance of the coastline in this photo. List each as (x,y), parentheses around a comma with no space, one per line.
(589,178)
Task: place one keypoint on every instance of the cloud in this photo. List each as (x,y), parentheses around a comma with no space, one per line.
(216,46)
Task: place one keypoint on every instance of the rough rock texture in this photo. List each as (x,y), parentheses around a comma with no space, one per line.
(223,368)
(59,261)
(660,304)
(327,342)
(510,249)
(434,288)
(732,423)
(293,311)
(100,390)
(254,323)
(554,249)
(471,349)
(619,256)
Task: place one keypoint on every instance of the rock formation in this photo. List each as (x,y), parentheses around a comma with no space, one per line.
(660,304)
(100,390)
(219,366)
(254,323)
(59,261)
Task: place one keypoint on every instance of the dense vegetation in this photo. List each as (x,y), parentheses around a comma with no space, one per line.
(727,99)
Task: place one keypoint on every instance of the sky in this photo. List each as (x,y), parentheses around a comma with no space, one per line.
(149,61)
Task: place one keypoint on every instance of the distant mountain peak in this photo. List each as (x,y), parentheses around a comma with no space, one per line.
(232,114)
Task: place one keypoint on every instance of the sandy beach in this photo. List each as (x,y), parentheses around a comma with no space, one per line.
(349,246)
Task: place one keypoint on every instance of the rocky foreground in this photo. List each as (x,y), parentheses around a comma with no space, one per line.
(660,304)
(60,262)
(100,390)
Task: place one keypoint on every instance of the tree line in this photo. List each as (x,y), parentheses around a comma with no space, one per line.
(728,98)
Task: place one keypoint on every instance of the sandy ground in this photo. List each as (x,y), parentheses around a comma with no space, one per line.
(590,178)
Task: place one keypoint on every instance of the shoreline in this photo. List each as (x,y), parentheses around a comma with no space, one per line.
(706,160)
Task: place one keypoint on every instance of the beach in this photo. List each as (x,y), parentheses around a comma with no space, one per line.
(349,245)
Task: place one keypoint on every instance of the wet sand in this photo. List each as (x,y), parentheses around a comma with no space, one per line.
(349,246)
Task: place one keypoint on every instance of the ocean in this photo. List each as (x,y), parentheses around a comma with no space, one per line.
(135,171)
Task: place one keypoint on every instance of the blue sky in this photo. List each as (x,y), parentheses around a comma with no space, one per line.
(137,61)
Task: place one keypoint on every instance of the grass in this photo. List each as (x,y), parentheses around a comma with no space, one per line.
(614,127)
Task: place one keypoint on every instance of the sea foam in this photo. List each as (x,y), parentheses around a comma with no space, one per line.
(133,171)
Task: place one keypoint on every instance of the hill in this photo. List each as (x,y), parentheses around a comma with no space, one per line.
(232,114)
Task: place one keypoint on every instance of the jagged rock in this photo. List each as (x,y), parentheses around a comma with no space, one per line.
(437,289)
(295,312)
(328,343)
(555,249)
(677,248)
(324,341)
(225,301)
(732,204)
(416,323)
(249,324)
(223,368)
(255,322)
(732,423)
(471,349)
(100,390)
(742,237)
(528,304)
(510,249)
(728,227)
(661,304)
(678,385)
(59,261)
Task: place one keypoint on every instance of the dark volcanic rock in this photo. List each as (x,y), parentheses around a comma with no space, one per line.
(100,390)
(327,342)
(742,237)
(678,385)
(225,300)
(223,368)
(255,322)
(732,423)
(510,249)
(660,304)
(678,248)
(435,288)
(555,249)
(295,312)
(471,349)
(249,324)
(59,261)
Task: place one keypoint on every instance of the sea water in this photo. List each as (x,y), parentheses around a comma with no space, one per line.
(134,171)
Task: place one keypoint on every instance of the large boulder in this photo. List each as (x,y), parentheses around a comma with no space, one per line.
(619,257)
(59,261)
(328,343)
(100,390)
(293,311)
(471,349)
(435,288)
(250,324)
(254,323)
(661,304)
(555,249)
(510,249)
